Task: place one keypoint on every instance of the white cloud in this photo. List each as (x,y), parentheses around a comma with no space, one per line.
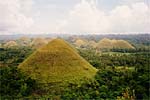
(130,19)
(128,2)
(86,17)
(12,17)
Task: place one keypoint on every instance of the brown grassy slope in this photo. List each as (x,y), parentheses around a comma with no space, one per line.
(10,44)
(109,44)
(80,42)
(57,62)
(104,43)
(23,41)
(38,42)
(122,44)
(92,44)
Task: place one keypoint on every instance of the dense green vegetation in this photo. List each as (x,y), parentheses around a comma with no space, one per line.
(112,84)
(14,83)
(113,59)
(122,75)
(13,56)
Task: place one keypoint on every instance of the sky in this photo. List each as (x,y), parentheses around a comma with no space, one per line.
(74,16)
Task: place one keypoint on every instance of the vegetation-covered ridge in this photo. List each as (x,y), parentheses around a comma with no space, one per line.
(57,62)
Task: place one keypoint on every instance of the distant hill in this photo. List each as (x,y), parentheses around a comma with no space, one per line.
(57,62)
(106,43)
(92,44)
(34,43)
(80,42)
(38,42)
(24,41)
(10,44)
(83,43)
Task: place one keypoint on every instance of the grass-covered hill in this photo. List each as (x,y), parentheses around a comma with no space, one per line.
(103,44)
(92,44)
(38,42)
(10,44)
(24,41)
(110,44)
(57,62)
(80,42)
(34,43)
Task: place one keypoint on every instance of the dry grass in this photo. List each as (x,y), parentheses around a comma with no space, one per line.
(10,44)
(109,44)
(92,44)
(80,42)
(38,42)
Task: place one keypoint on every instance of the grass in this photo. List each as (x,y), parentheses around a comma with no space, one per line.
(38,42)
(10,44)
(110,44)
(80,42)
(57,62)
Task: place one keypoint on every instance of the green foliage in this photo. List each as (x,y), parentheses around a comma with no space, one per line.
(13,56)
(112,84)
(86,90)
(104,59)
(14,83)
(105,86)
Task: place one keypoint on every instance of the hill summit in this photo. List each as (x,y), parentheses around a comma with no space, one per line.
(57,62)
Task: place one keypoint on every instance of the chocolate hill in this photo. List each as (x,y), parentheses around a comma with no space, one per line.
(57,62)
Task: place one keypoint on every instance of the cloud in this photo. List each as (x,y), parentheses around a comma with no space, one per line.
(12,18)
(135,18)
(85,17)
(128,2)
(30,16)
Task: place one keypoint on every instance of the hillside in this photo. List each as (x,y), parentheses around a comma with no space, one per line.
(38,42)
(10,44)
(57,62)
(24,41)
(106,43)
(91,44)
(80,43)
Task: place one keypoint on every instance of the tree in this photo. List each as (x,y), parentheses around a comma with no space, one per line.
(14,83)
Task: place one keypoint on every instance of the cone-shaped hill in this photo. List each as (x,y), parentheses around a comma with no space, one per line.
(10,44)
(80,42)
(38,42)
(110,44)
(57,62)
